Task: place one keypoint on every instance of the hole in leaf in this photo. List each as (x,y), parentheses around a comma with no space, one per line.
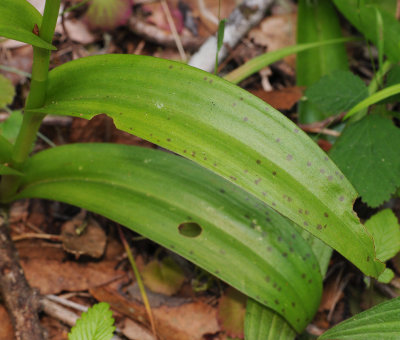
(190,229)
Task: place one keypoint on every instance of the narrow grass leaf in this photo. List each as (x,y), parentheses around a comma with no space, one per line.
(256,64)
(373,99)
(364,18)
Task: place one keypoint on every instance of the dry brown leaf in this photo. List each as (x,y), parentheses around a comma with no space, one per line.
(46,269)
(134,331)
(189,321)
(6,329)
(280,99)
(91,242)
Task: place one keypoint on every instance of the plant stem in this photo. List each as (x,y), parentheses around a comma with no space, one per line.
(36,98)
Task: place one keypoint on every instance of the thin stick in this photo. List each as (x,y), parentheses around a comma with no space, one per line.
(139,281)
(173,30)
(39,236)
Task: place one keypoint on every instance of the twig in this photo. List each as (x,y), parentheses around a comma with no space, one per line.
(244,17)
(174,32)
(321,127)
(20,299)
(154,34)
(25,236)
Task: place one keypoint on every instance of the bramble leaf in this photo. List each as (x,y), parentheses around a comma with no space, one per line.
(385,229)
(368,154)
(381,322)
(95,324)
(337,92)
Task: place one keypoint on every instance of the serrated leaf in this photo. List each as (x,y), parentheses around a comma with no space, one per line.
(153,193)
(367,152)
(381,322)
(385,229)
(337,92)
(6,91)
(164,277)
(261,323)
(17,21)
(231,312)
(223,128)
(364,18)
(95,324)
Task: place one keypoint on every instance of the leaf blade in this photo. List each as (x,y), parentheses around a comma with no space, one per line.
(153,193)
(17,21)
(223,128)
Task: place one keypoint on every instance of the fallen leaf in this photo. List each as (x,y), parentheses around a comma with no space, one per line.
(231,313)
(280,99)
(165,276)
(6,329)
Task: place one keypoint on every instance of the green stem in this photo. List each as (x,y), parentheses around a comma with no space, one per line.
(36,98)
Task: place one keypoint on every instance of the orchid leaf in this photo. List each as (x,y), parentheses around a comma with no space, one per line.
(223,128)
(239,238)
(18,19)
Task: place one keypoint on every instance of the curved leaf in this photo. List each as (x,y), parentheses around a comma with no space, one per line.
(223,128)
(257,63)
(241,239)
(17,21)
(262,323)
(381,322)
(5,149)
(363,16)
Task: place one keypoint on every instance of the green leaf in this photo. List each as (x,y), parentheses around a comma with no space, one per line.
(220,40)
(381,322)
(17,21)
(6,170)
(6,91)
(317,22)
(9,129)
(393,78)
(261,323)
(256,64)
(337,92)
(385,229)
(242,240)
(364,18)
(223,128)
(95,324)
(164,277)
(5,149)
(231,313)
(386,276)
(367,152)
(373,99)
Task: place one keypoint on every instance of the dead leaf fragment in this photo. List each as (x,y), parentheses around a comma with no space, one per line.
(164,277)
(231,312)
(91,242)
(280,99)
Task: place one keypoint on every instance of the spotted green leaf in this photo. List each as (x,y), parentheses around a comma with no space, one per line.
(223,128)
(17,21)
(240,240)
